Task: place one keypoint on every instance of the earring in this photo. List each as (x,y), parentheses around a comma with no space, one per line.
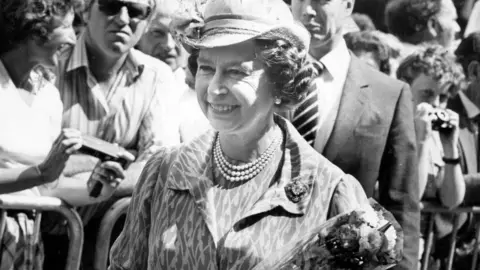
(278,101)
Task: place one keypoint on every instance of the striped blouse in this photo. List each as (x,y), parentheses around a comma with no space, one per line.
(136,112)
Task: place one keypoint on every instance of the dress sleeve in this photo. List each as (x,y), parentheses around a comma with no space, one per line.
(348,196)
(130,250)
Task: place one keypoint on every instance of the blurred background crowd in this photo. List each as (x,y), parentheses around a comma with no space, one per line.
(134,89)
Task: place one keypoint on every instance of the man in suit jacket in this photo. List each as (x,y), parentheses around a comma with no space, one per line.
(365,119)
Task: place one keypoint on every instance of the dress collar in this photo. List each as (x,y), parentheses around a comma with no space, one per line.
(300,169)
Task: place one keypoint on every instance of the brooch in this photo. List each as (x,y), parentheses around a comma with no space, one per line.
(296,191)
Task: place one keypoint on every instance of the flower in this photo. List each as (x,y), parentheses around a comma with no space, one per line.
(296,191)
(370,217)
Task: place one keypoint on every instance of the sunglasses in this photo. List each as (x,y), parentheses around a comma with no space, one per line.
(135,10)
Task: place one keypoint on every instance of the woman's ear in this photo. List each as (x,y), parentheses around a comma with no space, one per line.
(432,27)
(473,70)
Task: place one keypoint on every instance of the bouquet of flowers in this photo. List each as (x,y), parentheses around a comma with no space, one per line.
(366,238)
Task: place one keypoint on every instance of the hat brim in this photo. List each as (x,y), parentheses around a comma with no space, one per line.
(227,35)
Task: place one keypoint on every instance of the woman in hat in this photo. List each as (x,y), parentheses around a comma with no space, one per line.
(231,197)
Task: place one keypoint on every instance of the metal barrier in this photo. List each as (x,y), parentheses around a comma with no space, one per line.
(102,246)
(434,209)
(75,226)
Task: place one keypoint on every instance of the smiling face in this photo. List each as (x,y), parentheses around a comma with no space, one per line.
(45,52)
(115,33)
(232,88)
(159,43)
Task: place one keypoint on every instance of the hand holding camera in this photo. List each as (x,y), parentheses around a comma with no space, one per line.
(69,141)
(109,171)
(428,119)
(423,122)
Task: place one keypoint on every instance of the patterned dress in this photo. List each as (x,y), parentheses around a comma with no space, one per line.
(181,217)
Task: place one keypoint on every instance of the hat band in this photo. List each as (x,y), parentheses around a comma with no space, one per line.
(243,22)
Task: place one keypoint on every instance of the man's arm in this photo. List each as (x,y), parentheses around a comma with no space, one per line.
(398,184)
(79,163)
(159,127)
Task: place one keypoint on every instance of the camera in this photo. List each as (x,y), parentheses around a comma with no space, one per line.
(104,151)
(441,120)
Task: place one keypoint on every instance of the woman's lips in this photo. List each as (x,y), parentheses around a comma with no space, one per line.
(220,108)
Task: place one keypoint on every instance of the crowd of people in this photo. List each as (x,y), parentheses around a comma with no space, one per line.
(245,123)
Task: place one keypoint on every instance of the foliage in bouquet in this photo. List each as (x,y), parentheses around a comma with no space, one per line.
(366,238)
(362,239)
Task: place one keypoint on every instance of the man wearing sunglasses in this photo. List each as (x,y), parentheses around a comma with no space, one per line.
(116,93)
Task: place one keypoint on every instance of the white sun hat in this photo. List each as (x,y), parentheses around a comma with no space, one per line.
(218,23)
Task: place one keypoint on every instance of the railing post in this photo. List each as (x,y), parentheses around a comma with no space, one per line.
(75,225)
(102,246)
(429,242)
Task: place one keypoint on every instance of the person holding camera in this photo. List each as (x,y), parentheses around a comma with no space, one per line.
(430,76)
(446,143)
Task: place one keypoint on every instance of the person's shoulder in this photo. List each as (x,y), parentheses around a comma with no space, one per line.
(377,79)
(151,63)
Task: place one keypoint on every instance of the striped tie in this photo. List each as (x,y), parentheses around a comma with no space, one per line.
(305,118)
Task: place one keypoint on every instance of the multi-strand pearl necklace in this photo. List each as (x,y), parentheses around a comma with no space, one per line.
(247,171)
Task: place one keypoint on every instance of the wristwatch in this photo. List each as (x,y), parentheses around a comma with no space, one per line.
(451,161)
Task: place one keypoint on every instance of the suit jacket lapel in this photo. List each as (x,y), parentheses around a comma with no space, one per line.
(354,96)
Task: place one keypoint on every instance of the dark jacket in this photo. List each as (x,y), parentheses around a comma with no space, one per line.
(373,139)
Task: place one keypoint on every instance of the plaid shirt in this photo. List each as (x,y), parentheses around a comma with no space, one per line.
(21,246)
(136,112)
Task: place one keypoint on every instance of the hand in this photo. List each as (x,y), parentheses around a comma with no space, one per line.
(423,122)
(110,174)
(67,143)
(450,138)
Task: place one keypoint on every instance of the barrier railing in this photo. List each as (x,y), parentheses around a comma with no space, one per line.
(432,210)
(75,227)
(102,247)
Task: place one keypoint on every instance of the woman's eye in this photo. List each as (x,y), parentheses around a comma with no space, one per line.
(206,69)
(237,72)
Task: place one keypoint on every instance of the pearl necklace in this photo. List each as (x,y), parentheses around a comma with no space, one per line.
(247,171)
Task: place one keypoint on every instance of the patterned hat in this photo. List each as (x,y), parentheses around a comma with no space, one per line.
(217,23)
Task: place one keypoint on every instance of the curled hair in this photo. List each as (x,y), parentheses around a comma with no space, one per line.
(367,41)
(287,68)
(364,22)
(21,19)
(434,61)
(407,18)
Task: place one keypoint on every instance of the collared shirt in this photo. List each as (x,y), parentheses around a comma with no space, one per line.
(136,112)
(330,88)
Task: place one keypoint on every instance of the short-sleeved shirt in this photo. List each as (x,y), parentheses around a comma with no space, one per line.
(27,132)
(136,112)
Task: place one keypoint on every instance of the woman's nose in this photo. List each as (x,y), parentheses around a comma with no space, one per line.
(216,86)
(170,44)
